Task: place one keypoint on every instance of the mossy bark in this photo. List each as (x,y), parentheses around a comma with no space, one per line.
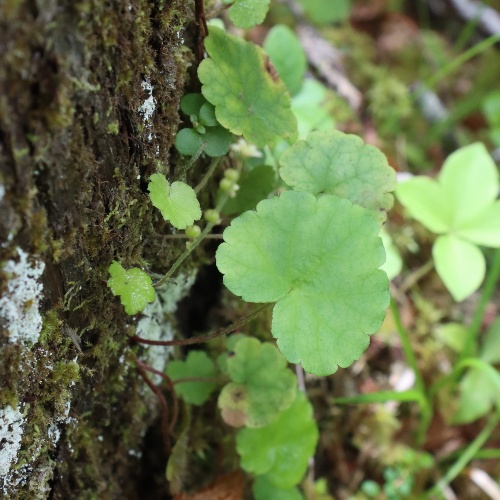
(79,137)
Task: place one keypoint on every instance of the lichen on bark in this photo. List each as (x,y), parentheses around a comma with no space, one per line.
(88,111)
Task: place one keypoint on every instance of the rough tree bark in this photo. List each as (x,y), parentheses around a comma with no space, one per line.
(89,93)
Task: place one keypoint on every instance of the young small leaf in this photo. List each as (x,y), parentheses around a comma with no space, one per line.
(188,141)
(261,385)
(318,259)
(192,103)
(134,287)
(282,449)
(196,365)
(247,99)
(247,13)
(177,201)
(336,163)
(287,55)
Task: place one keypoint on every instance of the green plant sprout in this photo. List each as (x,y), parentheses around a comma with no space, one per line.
(254,397)
(206,129)
(462,208)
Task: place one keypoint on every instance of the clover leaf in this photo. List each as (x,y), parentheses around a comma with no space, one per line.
(282,449)
(263,489)
(461,206)
(336,163)
(134,287)
(196,365)
(287,55)
(247,13)
(261,385)
(177,202)
(248,100)
(318,259)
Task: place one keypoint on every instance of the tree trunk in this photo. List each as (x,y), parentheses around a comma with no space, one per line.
(89,93)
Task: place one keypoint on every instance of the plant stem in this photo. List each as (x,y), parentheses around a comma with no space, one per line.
(424,402)
(211,168)
(205,338)
(165,428)
(456,63)
(168,380)
(185,237)
(466,456)
(470,344)
(194,243)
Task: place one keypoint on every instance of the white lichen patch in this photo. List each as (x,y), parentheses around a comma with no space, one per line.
(148,106)
(19,306)
(11,433)
(156,323)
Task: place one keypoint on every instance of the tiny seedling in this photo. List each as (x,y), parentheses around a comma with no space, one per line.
(177,202)
(134,287)
(461,207)
(206,132)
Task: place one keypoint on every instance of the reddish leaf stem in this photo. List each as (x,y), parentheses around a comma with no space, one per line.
(205,338)
(163,405)
(170,383)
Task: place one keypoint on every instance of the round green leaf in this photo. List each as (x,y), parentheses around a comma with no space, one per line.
(287,55)
(263,489)
(332,162)
(262,385)
(318,259)
(247,100)
(188,141)
(247,13)
(424,199)
(282,449)
(192,103)
(177,202)
(196,365)
(218,141)
(207,115)
(460,265)
(134,287)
